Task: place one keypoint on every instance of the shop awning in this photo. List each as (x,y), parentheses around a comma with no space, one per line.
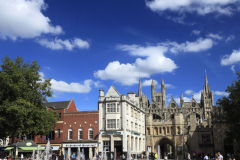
(31,148)
(8,148)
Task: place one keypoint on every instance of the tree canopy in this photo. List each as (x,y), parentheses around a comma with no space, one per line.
(22,95)
(231,108)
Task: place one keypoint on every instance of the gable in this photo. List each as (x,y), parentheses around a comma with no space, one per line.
(112,92)
(172,104)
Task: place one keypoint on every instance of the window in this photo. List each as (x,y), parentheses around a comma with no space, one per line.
(70,134)
(80,133)
(160,130)
(50,136)
(59,115)
(111,123)
(90,133)
(111,108)
(127,125)
(106,145)
(40,136)
(29,137)
(58,133)
(132,112)
(178,130)
(168,130)
(118,107)
(158,98)
(135,127)
(117,123)
(131,125)
(206,138)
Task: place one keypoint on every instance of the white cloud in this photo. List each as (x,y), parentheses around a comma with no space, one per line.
(149,82)
(214,36)
(98,84)
(232,68)
(61,86)
(179,19)
(169,86)
(154,62)
(201,7)
(196,32)
(231,59)
(24,19)
(197,46)
(221,93)
(57,44)
(189,92)
(231,37)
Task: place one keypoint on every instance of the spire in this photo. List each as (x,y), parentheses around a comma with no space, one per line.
(181,96)
(140,88)
(153,83)
(206,81)
(163,82)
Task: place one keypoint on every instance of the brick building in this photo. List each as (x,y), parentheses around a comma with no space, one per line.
(55,137)
(80,130)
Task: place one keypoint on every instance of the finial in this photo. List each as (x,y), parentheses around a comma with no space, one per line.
(192,96)
(172,97)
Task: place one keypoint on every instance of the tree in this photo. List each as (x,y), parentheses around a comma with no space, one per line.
(22,94)
(231,108)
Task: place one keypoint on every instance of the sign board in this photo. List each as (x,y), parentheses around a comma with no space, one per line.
(28,144)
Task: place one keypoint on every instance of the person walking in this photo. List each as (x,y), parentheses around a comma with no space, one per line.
(188,156)
(206,157)
(220,157)
(165,157)
(21,156)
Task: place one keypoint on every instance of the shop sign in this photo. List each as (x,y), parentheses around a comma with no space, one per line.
(28,144)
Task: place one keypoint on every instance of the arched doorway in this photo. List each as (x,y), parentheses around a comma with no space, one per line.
(167,148)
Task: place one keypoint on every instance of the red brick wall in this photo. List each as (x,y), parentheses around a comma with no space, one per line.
(91,118)
(72,107)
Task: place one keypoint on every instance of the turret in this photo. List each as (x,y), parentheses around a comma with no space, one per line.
(140,88)
(163,94)
(181,100)
(153,88)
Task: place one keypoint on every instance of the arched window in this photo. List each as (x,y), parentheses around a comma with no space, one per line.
(148,131)
(90,133)
(178,130)
(80,133)
(69,134)
(58,133)
(160,130)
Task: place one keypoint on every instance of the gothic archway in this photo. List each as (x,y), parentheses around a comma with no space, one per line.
(167,147)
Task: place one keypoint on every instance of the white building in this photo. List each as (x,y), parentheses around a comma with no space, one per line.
(121,123)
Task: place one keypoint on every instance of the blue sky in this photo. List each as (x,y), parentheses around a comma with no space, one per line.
(87,45)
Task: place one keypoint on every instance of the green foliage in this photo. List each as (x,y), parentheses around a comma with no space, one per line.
(22,94)
(231,108)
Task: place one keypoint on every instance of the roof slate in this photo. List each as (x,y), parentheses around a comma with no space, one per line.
(57,105)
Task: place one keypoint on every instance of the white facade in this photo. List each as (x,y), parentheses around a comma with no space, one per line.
(121,122)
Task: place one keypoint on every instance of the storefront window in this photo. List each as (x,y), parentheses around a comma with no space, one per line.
(106,145)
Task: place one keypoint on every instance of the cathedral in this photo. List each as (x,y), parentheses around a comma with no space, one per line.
(183,129)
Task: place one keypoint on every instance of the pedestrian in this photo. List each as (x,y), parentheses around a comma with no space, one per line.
(21,156)
(142,157)
(155,156)
(111,156)
(220,157)
(206,157)
(165,157)
(233,158)
(188,156)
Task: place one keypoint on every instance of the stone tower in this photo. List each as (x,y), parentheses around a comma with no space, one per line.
(206,99)
(143,99)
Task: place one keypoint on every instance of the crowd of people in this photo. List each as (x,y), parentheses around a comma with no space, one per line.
(217,156)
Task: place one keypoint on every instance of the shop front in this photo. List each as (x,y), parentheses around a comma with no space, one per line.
(89,150)
(22,147)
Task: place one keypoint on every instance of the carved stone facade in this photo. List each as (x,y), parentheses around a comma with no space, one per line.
(179,129)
